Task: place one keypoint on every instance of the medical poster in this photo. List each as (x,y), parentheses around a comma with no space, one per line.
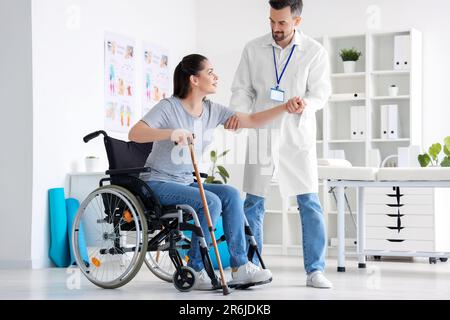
(156,79)
(120,84)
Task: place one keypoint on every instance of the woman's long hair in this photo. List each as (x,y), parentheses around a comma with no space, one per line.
(191,65)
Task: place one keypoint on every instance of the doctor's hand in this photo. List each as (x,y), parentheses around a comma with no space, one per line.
(232,123)
(295,105)
(181,137)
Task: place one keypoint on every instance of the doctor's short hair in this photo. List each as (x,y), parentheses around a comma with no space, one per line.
(191,65)
(296,5)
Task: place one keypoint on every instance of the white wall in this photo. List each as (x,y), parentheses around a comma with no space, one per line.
(225,26)
(68,82)
(16,133)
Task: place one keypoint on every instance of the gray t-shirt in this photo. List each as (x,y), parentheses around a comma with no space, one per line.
(173,163)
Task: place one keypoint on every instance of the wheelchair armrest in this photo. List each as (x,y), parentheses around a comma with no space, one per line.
(128,171)
(202,174)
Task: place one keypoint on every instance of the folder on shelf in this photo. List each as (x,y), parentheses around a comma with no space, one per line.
(402,55)
(384,121)
(362,122)
(357,122)
(393,121)
(354,122)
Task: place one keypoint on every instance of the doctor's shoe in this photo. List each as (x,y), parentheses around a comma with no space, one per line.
(202,281)
(250,274)
(316,279)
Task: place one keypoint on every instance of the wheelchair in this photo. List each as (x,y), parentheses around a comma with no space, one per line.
(124,225)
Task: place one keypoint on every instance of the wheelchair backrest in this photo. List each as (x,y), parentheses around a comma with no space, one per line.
(123,155)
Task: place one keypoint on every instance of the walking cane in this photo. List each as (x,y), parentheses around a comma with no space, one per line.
(225,288)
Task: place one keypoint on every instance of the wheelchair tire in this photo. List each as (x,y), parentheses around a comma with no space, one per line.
(161,265)
(184,279)
(111,216)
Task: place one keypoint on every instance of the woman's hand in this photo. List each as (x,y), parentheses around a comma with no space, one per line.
(181,137)
(295,105)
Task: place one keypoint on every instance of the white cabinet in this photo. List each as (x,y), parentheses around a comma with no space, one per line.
(407,219)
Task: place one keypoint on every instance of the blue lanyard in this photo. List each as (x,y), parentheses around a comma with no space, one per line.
(285,66)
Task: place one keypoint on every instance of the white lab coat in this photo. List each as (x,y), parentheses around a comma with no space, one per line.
(291,144)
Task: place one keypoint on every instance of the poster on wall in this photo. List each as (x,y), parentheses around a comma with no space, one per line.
(156,79)
(120,84)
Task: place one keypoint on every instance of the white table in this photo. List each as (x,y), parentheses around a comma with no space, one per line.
(362,177)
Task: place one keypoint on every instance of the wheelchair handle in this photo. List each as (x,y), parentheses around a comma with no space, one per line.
(93,135)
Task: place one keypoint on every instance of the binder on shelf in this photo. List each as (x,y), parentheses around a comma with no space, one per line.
(354,123)
(402,55)
(393,121)
(357,122)
(362,122)
(384,121)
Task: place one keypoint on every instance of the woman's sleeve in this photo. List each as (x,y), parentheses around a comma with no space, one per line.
(157,116)
(222,113)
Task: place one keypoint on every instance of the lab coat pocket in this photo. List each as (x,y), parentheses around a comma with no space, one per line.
(306,132)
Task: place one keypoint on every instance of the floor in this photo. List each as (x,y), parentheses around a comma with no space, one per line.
(386,279)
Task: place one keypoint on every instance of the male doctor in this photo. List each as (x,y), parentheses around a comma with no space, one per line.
(274,68)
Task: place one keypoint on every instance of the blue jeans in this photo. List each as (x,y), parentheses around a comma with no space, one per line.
(221,199)
(313,227)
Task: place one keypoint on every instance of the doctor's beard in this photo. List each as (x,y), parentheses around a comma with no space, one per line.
(278,36)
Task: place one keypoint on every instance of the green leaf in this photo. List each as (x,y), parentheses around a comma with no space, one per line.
(434,150)
(447,150)
(223,177)
(446,162)
(424,159)
(447,145)
(223,171)
(213,156)
(217,182)
(223,153)
(210,179)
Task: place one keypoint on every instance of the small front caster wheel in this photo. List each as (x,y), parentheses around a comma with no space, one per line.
(432,260)
(184,279)
(443,259)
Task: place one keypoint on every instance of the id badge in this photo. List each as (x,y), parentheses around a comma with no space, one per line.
(277,95)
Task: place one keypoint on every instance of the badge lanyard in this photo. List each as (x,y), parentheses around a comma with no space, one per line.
(285,66)
(275,93)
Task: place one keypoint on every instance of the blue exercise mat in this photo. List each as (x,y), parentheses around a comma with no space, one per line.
(72,206)
(223,247)
(59,242)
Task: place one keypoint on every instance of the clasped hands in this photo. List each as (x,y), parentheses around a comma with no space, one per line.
(295,105)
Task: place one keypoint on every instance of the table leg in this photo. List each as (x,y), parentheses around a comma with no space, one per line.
(360,244)
(341,229)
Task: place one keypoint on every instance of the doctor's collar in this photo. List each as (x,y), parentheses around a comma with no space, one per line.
(297,41)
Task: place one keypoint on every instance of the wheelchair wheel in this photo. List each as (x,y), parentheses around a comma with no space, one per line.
(115,236)
(159,262)
(184,279)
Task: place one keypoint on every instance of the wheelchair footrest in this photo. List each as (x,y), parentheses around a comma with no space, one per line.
(248,285)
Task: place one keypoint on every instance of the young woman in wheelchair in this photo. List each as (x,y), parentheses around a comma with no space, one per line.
(175,120)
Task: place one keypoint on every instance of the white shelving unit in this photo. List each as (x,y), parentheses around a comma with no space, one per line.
(368,87)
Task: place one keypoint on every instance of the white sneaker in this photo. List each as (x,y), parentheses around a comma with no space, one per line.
(202,281)
(316,279)
(250,273)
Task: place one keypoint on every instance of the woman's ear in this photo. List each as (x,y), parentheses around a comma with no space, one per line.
(194,80)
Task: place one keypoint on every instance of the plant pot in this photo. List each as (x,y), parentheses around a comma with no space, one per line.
(393,91)
(349,66)
(92,164)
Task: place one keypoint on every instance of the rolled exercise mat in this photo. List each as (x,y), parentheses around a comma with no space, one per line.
(223,247)
(72,206)
(59,242)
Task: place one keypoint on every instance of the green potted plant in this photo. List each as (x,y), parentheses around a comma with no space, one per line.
(432,157)
(349,58)
(215,169)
